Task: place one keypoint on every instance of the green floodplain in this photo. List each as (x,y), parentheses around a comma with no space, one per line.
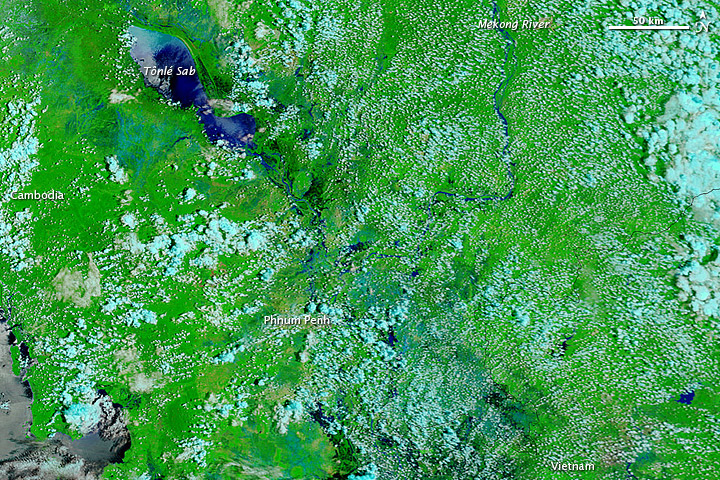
(501,299)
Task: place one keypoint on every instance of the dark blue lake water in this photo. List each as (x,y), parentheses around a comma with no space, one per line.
(167,66)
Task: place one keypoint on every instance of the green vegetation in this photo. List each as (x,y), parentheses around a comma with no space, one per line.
(500,300)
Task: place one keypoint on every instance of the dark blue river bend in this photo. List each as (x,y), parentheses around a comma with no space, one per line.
(509,67)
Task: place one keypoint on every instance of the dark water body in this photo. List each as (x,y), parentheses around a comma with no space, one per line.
(167,66)
(687,398)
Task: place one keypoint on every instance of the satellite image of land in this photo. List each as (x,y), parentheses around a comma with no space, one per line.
(359,240)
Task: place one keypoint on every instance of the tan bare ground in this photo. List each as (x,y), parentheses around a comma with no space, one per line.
(73,286)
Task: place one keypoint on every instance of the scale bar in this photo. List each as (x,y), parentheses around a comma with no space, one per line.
(649,27)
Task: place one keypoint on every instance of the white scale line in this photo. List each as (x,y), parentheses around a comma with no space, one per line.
(649,27)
